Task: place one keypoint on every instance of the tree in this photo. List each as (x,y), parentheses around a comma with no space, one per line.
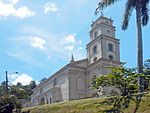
(141,7)
(147,67)
(32,84)
(2,88)
(20,93)
(121,78)
(19,85)
(147,73)
(30,87)
(8,103)
(125,80)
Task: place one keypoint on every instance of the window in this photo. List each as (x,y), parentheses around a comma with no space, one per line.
(108,31)
(95,59)
(94,49)
(55,82)
(106,22)
(110,57)
(110,47)
(95,34)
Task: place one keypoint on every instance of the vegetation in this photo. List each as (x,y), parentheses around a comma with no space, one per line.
(8,103)
(92,105)
(18,90)
(126,81)
(142,16)
(12,99)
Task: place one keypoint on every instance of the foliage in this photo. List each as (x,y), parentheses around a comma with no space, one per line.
(20,93)
(121,78)
(16,93)
(126,80)
(8,103)
(91,105)
(147,67)
(147,73)
(18,90)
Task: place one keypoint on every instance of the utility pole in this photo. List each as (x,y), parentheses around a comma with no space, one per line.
(6,82)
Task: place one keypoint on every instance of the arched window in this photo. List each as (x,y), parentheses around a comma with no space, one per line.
(95,34)
(111,57)
(110,47)
(94,49)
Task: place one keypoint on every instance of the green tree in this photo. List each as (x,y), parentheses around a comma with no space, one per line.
(121,78)
(147,73)
(141,8)
(20,93)
(2,88)
(147,67)
(8,103)
(32,84)
(126,81)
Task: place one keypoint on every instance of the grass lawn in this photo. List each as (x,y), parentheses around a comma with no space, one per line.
(92,105)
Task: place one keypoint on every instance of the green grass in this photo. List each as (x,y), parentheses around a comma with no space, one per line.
(92,105)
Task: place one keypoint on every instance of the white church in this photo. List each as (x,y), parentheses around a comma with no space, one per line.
(73,81)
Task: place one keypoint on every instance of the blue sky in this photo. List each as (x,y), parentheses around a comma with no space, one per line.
(37,37)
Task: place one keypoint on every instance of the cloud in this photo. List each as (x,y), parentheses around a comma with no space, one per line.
(38,42)
(70,38)
(8,9)
(54,46)
(65,46)
(23,12)
(70,42)
(50,7)
(23,78)
(14,1)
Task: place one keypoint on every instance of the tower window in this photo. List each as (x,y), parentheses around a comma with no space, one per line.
(108,31)
(111,57)
(110,47)
(106,22)
(94,49)
(95,34)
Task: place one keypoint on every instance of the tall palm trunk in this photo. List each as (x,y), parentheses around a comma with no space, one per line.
(139,45)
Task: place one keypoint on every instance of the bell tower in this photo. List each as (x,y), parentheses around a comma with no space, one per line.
(103,44)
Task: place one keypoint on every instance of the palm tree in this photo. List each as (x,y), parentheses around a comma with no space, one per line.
(141,7)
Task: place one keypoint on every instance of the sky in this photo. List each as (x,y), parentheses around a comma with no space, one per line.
(37,37)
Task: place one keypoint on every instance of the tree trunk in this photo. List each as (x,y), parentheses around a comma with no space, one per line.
(139,45)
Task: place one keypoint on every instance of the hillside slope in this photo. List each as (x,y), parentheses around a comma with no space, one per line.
(92,105)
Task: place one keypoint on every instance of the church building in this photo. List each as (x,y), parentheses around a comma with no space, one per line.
(73,81)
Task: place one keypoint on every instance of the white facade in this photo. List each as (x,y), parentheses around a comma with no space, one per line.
(73,81)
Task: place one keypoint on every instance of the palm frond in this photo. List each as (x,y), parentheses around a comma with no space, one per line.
(103,4)
(144,11)
(130,5)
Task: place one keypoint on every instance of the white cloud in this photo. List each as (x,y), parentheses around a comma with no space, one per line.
(70,38)
(8,9)
(23,12)
(50,7)
(14,1)
(53,46)
(64,47)
(38,42)
(23,78)
(69,47)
